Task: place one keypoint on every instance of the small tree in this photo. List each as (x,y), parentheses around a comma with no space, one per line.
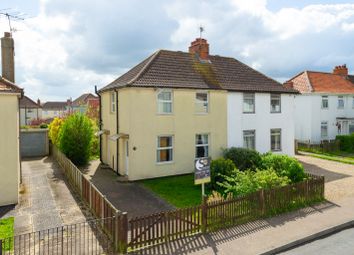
(76,138)
(54,130)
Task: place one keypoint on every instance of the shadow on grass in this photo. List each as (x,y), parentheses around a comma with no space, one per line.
(201,242)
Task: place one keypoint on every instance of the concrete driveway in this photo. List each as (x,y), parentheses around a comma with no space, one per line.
(130,197)
(339,177)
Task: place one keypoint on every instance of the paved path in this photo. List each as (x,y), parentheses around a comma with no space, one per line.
(339,243)
(45,202)
(129,197)
(339,177)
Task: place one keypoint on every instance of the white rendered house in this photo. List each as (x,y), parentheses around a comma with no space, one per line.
(325,107)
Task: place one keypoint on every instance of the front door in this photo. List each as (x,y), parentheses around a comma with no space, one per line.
(126,157)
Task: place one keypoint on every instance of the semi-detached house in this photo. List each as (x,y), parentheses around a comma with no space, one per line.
(325,106)
(176,106)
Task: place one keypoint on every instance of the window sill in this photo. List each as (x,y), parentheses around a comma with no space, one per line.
(165,163)
(248,112)
(277,150)
(201,113)
(275,112)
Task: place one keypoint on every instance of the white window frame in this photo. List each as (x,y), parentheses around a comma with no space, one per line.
(278,97)
(196,102)
(202,145)
(280,139)
(243,137)
(324,124)
(164,101)
(353,102)
(324,98)
(249,95)
(158,149)
(341,98)
(113,100)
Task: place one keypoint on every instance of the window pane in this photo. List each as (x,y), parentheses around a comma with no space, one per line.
(275,139)
(201,103)
(324,101)
(248,103)
(340,102)
(324,129)
(202,145)
(164,155)
(165,141)
(164,95)
(275,103)
(249,140)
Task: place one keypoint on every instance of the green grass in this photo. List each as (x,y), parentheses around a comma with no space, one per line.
(179,191)
(341,157)
(7,230)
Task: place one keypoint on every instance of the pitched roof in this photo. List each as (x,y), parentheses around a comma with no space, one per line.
(7,86)
(54,105)
(175,69)
(28,103)
(321,82)
(83,99)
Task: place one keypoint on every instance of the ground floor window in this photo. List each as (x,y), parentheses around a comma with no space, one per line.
(351,127)
(324,129)
(275,139)
(249,139)
(164,149)
(201,145)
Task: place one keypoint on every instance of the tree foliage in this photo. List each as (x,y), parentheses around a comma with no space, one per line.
(54,130)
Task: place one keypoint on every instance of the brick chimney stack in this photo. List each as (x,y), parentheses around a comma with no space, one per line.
(200,47)
(8,57)
(341,70)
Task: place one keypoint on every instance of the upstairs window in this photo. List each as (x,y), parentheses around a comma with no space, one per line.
(249,139)
(164,149)
(324,104)
(340,102)
(164,102)
(248,103)
(201,145)
(275,103)
(201,102)
(113,101)
(275,139)
(324,129)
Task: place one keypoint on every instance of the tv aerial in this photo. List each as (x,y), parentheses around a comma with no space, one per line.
(12,16)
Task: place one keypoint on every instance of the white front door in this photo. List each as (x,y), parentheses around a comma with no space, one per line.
(126,157)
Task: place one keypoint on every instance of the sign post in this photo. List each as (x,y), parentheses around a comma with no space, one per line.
(202,172)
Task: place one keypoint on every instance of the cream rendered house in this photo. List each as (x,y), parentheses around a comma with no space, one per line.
(10,95)
(170,109)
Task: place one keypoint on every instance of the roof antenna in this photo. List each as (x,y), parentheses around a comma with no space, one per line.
(13,16)
(201,30)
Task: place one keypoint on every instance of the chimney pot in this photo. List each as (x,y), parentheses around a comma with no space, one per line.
(341,70)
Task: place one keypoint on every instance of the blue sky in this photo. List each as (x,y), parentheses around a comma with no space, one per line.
(68,46)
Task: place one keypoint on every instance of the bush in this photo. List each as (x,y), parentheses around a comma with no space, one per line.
(346,142)
(244,159)
(95,144)
(242,183)
(284,166)
(76,138)
(43,125)
(219,168)
(54,130)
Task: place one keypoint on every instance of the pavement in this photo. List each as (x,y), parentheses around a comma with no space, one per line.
(45,199)
(265,236)
(130,197)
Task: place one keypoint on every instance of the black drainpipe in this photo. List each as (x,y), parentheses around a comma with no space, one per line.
(100,121)
(117,108)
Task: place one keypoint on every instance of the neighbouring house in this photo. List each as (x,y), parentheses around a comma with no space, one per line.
(29,111)
(10,95)
(50,110)
(87,104)
(325,107)
(175,106)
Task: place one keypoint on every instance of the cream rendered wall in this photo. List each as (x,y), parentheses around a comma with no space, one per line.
(49,114)
(9,149)
(262,121)
(109,147)
(139,119)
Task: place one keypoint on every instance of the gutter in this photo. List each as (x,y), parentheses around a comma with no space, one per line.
(100,121)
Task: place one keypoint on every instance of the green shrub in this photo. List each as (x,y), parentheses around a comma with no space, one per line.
(54,130)
(43,125)
(242,183)
(219,168)
(284,166)
(76,138)
(95,144)
(346,142)
(244,159)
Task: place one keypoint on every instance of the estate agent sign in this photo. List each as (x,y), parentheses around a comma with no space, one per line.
(202,170)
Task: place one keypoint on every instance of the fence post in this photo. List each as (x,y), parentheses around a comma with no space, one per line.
(90,195)
(0,247)
(261,201)
(103,198)
(122,238)
(205,214)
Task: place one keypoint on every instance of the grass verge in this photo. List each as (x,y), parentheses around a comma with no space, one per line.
(331,157)
(6,232)
(179,191)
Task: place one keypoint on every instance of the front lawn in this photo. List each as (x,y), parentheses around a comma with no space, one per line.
(179,191)
(7,230)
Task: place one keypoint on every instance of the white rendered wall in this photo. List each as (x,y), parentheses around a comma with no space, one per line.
(262,121)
